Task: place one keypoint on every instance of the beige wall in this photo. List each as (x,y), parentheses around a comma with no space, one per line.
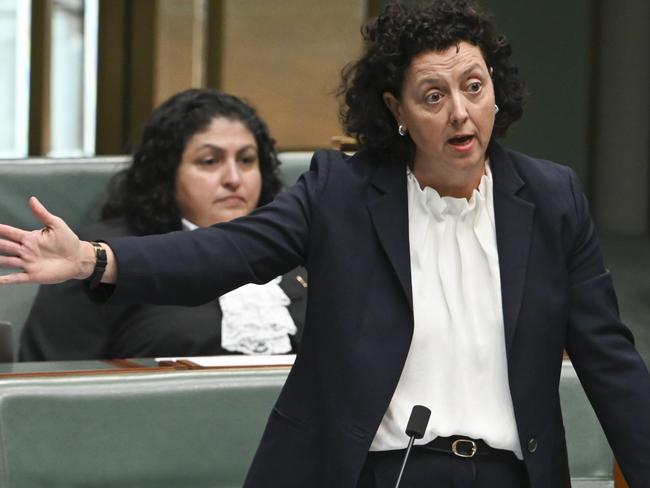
(285,57)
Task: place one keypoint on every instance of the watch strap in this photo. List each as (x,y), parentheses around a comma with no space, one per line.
(100,265)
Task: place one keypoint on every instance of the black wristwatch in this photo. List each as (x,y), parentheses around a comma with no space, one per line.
(100,265)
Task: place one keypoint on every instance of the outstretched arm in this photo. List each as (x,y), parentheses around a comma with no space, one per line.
(50,255)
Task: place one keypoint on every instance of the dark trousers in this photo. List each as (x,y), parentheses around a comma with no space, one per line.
(429,469)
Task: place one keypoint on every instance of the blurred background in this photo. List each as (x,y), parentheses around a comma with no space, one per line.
(79,77)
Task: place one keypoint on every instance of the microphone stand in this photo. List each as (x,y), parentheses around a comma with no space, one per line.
(415,429)
(406,456)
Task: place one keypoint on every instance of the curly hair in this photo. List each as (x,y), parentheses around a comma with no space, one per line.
(143,193)
(397,35)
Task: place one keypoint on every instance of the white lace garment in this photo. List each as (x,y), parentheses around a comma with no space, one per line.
(256,319)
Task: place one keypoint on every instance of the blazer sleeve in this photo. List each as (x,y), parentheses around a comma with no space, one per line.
(191,268)
(602,351)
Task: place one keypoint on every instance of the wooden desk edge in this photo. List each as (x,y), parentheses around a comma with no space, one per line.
(127,366)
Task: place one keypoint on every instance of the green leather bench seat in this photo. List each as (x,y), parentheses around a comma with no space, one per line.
(590,457)
(159,430)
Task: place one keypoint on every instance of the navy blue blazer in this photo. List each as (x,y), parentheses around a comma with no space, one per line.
(346,220)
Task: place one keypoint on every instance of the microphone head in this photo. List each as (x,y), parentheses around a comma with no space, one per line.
(418,421)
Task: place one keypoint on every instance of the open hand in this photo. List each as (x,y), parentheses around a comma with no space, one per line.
(50,255)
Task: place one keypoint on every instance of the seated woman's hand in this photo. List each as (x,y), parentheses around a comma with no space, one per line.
(50,255)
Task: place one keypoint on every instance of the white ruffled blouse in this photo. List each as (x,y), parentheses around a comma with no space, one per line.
(255,318)
(456,364)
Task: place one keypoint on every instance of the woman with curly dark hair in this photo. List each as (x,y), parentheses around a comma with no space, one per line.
(392,41)
(445,270)
(145,193)
(204,157)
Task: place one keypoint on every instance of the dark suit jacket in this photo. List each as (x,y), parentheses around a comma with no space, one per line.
(64,324)
(347,221)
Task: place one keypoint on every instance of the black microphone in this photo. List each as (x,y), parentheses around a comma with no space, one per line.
(415,430)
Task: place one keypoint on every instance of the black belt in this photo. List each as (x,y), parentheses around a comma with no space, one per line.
(466,447)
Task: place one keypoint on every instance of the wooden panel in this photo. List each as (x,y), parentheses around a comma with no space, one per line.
(125,73)
(39,83)
(140,85)
(285,57)
(111,76)
(180,47)
(214,42)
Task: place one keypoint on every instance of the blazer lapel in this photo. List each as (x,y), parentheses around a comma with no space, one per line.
(514,223)
(389,214)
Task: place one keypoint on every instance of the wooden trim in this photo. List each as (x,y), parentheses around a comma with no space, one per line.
(123,363)
(180,54)
(199,42)
(39,82)
(189,364)
(125,85)
(88,372)
(619,479)
(128,366)
(344,143)
(111,124)
(214,44)
(141,67)
(373,8)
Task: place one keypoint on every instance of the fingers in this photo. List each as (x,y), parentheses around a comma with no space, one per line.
(12,233)
(11,262)
(14,278)
(9,247)
(41,213)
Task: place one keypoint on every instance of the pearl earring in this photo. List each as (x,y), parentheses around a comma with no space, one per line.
(496,108)
(401,130)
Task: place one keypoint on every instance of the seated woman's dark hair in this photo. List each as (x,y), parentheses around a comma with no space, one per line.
(143,194)
(392,40)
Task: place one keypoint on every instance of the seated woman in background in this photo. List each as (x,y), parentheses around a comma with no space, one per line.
(205,157)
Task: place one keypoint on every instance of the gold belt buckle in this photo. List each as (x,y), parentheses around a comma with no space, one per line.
(471,445)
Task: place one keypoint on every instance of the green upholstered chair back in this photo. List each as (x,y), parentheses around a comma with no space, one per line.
(159,430)
(73,189)
(70,188)
(293,164)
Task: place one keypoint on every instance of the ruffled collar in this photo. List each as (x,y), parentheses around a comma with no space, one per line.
(430,199)
(255,318)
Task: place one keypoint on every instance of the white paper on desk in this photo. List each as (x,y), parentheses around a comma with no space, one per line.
(238,361)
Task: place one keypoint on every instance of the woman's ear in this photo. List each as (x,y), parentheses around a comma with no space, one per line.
(393,105)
